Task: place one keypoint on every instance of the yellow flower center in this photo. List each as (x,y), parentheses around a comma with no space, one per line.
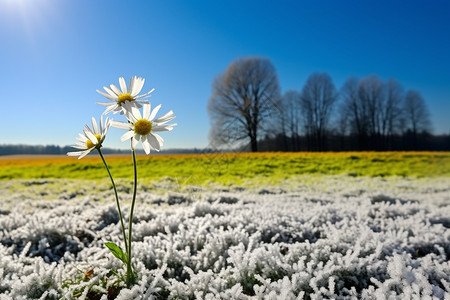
(89,144)
(125,97)
(142,127)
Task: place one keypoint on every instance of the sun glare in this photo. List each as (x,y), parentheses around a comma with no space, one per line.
(18,5)
(32,15)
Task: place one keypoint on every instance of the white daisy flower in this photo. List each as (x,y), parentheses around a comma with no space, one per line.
(122,95)
(92,138)
(144,127)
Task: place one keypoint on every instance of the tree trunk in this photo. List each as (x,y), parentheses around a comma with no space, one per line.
(254,144)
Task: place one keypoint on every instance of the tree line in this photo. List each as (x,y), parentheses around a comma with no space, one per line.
(20,149)
(247,111)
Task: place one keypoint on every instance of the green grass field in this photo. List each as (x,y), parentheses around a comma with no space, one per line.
(228,169)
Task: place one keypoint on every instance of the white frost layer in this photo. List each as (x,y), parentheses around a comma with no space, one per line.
(390,240)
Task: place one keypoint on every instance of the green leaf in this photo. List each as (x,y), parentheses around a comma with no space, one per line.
(117,251)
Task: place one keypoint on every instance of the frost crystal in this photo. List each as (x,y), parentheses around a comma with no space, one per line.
(291,245)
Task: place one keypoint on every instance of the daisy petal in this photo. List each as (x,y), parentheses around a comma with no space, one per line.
(84,153)
(146,111)
(111,108)
(91,137)
(137,112)
(123,85)
(121,125)
(137,84)
(107,125)
(159,138)
(100,127)
(167,127)
(134,142)
(140,85)
(154,112)
(95,126)
(76,153)
(132,111)
(165,118)
(170,126)
(153,142)
(82,138)
(128,107)
(104,103)
(115,89)
(146,146)
(141,102)
(118,109)
(80,146)
(131,87)
(144,95)
(110,92)
(106,95)
(128,135)
(86,128)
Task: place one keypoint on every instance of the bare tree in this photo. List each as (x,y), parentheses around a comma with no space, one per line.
(289,116)
(243,98)
(370,92)
(353,109)
(391,110)
(416,113)
(318,98)
(373,109)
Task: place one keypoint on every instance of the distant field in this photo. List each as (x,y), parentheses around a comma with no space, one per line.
(231,168)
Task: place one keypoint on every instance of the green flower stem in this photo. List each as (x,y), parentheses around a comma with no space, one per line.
(117,201)
(130,224)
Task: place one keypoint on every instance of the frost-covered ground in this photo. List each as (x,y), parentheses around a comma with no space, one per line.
(318,238)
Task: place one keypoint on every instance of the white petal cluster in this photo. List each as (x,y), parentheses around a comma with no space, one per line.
(89,136)
(125,100)
(231,245)
(151,140)
(114,94)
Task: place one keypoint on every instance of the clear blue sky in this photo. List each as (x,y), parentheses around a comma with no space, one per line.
(54,54)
